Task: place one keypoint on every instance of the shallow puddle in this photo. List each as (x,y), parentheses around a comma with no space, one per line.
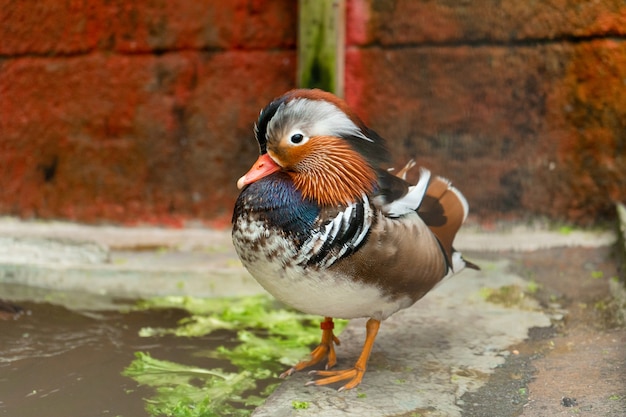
(59,362)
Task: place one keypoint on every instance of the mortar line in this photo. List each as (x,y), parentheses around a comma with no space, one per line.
(486,43)
(479,43)
(153,52)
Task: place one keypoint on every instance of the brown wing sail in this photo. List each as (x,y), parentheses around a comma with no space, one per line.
(443,209)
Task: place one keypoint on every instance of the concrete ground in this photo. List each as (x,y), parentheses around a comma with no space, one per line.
(535,333)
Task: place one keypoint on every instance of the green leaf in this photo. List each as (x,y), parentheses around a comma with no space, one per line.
(208,315)
(149,371)
(186,391)
(269,335)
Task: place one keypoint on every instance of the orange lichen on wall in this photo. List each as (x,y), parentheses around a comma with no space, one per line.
(588,122)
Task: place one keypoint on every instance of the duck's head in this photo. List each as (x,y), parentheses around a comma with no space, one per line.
(317,139)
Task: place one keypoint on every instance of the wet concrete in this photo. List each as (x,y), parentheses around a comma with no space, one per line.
(580,361)
(535,333)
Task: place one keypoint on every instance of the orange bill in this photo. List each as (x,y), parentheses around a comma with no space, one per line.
(263,167)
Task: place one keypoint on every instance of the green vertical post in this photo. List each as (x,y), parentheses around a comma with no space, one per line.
(321,45)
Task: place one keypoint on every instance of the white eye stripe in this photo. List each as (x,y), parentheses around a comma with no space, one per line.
(315,117)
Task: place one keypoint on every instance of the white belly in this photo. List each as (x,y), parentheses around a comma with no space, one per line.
(319,292)
(311,290)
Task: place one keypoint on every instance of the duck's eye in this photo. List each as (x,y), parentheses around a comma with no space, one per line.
(296,138)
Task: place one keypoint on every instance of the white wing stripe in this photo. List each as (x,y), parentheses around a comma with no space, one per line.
(367,222)
(324,244)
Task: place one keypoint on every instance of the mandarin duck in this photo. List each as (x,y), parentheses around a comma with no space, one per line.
(324,229)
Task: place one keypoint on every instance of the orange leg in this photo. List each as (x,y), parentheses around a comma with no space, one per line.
(326,349)
(355,374)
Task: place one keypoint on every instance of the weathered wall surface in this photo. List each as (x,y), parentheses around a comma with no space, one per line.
(521,104)
(143,112)
(135,112)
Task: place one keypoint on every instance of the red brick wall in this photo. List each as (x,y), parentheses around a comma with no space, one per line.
(522,104)
(135,111)
(138,112)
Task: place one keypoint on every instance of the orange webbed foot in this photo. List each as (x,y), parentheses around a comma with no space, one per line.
(355,375)
(326,349)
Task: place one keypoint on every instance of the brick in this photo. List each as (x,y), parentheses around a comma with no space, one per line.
(240,24)
(584,137)
(50,27)
(508,125)
(401,22)
(47,27)
(132,138)
(466,113)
